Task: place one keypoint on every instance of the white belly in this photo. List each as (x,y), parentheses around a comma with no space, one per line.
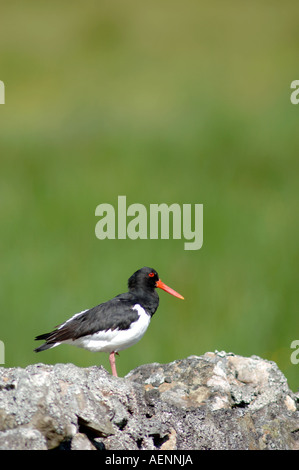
(114,340)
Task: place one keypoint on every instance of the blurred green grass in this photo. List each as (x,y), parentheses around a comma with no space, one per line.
(162,103)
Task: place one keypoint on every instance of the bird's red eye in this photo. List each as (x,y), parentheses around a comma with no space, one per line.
(151,274)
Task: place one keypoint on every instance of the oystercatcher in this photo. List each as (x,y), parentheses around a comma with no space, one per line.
(114,325)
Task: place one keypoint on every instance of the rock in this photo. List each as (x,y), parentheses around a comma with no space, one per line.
(215,401)
(81,442)
(22,439)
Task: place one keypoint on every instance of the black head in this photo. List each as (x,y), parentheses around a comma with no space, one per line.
(144,279)
(147,279)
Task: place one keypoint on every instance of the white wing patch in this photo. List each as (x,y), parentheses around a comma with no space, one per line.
(72,318)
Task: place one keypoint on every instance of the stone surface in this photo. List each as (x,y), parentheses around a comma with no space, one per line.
(215,401)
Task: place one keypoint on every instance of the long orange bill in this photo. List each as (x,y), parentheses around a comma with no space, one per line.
(163,286)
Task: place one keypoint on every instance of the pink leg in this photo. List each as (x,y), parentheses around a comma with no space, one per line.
(112,363)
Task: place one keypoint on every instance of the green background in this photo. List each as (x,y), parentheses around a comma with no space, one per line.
(174,102)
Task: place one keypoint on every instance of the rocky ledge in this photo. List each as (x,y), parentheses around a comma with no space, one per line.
(215,401)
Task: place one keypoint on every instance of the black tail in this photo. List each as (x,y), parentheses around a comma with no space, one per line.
(44,346)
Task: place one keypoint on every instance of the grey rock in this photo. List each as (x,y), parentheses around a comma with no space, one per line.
(22,439)
(81,442)
(215,401)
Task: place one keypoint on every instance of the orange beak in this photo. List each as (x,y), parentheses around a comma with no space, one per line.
(163,286)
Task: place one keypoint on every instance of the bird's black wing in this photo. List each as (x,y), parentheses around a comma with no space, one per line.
(117,313)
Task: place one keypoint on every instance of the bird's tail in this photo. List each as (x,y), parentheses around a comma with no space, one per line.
(46,345)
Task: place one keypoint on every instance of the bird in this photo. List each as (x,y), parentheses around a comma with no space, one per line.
(114,325)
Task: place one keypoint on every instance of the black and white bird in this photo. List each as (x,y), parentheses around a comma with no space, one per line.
(114,325)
